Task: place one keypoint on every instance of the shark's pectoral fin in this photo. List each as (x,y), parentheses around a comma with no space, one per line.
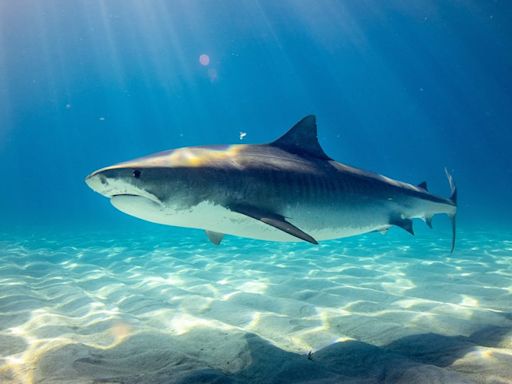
(283,225)
(403,223)
(274,220)
(214,237)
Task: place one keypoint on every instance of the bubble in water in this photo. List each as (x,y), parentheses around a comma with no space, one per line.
(212,74)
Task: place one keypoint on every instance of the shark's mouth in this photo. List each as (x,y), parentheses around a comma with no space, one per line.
(125,194)
(136,205)
(145,195)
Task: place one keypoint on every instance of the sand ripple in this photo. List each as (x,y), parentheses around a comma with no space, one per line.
(152,309)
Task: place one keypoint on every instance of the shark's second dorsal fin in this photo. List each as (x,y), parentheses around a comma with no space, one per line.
(302,139)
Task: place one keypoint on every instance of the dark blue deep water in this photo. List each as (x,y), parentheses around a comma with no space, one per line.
(402,88)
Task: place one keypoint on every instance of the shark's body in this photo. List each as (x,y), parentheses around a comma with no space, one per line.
(288,190)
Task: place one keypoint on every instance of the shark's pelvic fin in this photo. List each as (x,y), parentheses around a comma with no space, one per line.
(302,138)
(428,220)
(274,220)
(403,223)
(214,237)
(423,185)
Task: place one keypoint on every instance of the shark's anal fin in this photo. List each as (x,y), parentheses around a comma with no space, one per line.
(403,223)
(274,220)
(214,237)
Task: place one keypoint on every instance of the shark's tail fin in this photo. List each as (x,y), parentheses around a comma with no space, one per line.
(453,199)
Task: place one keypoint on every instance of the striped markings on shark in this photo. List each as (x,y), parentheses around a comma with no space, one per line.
(287,190)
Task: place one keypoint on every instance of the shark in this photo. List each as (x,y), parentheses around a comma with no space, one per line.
(286,190)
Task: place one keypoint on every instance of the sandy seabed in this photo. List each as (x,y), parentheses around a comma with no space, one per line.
(153,309)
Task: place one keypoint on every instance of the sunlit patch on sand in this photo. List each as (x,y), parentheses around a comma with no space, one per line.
(253,287)
(469,301)
(101,308)
(120,331)
(183,323)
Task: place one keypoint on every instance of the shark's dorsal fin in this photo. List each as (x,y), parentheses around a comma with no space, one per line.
(302,139)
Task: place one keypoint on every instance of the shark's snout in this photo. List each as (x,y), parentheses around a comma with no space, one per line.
(92,181)
(98,183)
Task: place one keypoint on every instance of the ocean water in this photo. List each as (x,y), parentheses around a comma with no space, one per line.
(90,295)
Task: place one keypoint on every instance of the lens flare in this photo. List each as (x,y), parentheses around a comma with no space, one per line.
(204,59)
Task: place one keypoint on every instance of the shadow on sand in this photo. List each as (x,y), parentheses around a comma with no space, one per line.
(206,356)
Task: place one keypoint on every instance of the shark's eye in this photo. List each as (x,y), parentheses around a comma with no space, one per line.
(137,173)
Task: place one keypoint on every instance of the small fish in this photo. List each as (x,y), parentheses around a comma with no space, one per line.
(287,190)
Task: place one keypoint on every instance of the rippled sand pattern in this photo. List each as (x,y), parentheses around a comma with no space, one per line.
(90,309)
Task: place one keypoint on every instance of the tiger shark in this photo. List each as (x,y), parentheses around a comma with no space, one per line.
(287,190)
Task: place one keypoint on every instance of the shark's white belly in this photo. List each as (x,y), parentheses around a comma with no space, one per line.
(216,218)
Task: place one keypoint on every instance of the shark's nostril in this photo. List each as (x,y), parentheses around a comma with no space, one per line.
(103,180)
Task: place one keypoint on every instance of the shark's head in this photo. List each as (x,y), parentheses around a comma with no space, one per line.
(124,180)
(171,181)
(142,187)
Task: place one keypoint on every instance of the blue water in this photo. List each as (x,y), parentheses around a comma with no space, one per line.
(400,88)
